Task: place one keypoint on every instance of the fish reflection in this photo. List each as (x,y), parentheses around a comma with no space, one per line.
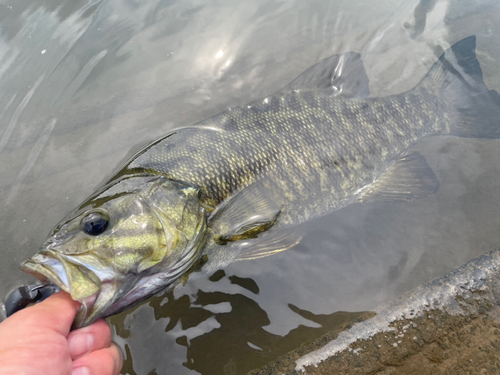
(238,343)
(423,8)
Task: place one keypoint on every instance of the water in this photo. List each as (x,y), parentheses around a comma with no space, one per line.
(84,83)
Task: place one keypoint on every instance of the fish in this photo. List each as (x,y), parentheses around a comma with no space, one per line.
(236,185)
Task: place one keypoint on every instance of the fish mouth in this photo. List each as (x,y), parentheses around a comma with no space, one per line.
(79,281)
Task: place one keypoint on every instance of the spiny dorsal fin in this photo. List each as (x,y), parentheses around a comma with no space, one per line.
(342,74)
(246,214)
(407,178)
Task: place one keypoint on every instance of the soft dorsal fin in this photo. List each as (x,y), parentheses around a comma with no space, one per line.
(246,214)
(342,74)
(407,178)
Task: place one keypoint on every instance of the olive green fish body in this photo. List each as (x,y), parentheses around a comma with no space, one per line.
(206,195)
(320,149)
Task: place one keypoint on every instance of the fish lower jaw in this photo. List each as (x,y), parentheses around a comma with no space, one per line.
(84,313)
(48,276)
(80,283)
(98,304)
(45,274)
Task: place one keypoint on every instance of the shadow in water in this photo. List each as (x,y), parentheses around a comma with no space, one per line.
(237,342)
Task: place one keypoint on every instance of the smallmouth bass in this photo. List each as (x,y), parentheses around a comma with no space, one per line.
(217,191)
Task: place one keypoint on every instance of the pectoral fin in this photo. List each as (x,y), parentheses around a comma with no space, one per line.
(408,178)
(340,74)
(268,244)
(251,211)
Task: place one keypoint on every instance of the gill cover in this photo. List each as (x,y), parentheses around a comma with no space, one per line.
(130,239)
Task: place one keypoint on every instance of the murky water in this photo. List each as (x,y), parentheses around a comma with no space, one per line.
(84,83)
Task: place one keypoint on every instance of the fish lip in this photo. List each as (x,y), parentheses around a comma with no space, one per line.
(46,274)
(48,267)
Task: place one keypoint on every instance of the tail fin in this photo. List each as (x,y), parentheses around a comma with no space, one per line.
(474,110)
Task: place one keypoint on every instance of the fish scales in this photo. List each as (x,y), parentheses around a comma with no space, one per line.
(318,147)
(207,195)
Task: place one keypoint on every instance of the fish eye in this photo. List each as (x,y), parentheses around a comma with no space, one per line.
(95,223)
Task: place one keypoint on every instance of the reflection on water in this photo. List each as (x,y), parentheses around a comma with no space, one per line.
(83,83)
(224,333)
(420,13)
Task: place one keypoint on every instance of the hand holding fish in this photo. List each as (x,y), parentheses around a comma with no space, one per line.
(37,340)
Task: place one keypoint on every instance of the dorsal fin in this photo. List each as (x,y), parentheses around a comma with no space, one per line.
(342,74)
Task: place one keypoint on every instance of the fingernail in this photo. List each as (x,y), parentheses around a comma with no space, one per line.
(81,344)
(80,371)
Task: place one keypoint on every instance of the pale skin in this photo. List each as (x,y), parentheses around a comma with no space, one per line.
(37,340)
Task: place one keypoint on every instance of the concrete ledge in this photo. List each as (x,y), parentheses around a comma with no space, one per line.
(449,326)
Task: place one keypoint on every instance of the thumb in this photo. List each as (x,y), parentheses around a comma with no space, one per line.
(56,313)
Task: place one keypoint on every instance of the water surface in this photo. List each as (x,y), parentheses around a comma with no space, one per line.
(85,83)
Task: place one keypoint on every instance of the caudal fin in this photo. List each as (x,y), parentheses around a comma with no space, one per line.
(474,110)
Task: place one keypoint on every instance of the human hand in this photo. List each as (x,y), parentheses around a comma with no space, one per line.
(37,340)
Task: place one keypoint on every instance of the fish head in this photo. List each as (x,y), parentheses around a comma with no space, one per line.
(126,242)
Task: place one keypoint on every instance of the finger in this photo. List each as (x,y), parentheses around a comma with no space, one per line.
(56,313)
(85,340)
(107,361)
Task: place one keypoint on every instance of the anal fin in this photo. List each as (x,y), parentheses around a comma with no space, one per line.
(407,178)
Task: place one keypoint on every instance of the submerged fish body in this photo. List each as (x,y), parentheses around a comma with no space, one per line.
(210,193)
(317,150)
